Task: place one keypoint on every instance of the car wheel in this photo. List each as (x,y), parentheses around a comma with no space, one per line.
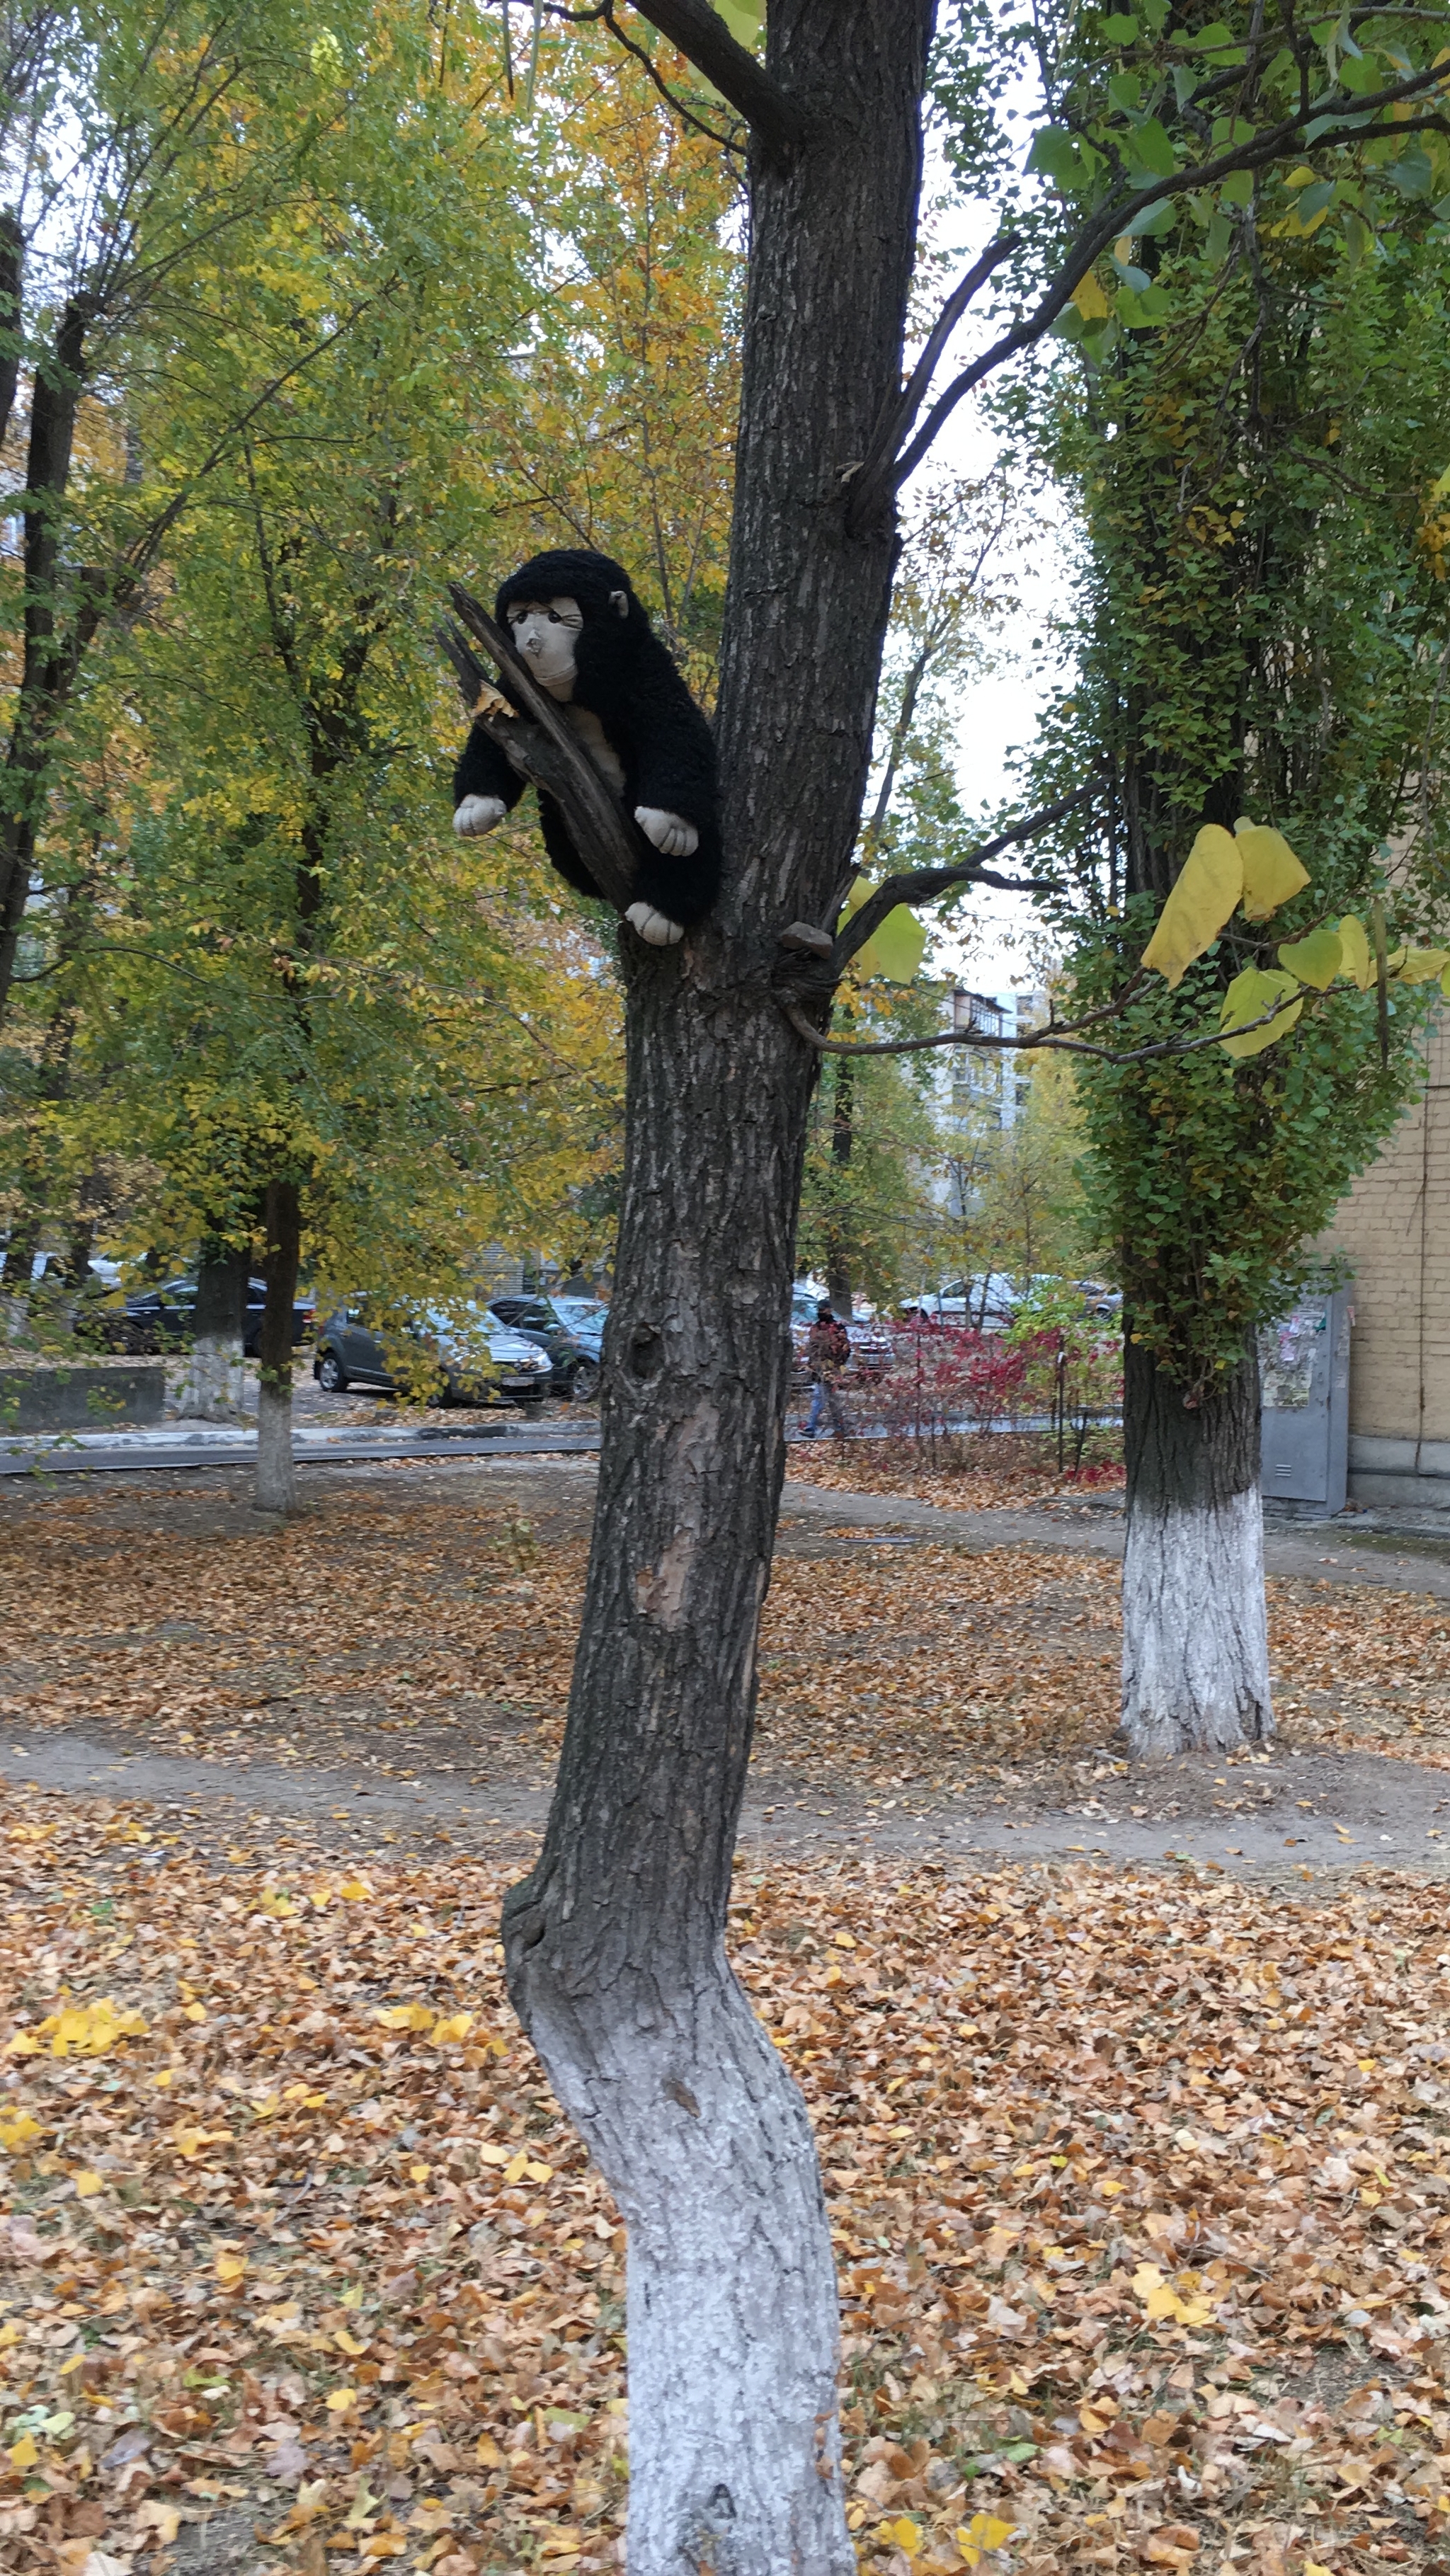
(330,1374)
(584,1385)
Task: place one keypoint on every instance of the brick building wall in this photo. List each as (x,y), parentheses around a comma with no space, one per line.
(1394,1229)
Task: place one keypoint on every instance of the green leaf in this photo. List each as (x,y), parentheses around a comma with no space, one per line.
(1055,155)
(1315,960)
(1157,219)
(1238,188)
(1208,39)
(1412,173)
(1151,146)
(744,18)
(1120,30)
(1249,996)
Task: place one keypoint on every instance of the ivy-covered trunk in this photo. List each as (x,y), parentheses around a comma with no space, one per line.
(1195,1637)
(615,1943)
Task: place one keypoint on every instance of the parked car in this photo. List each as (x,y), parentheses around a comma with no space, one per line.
(570,1329)
(165,1318)
(349,1353)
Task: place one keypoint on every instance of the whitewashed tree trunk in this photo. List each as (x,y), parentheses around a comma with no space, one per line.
(1195,1630)
(276,1487)
(214,1388)
(704,2139)
(215,1381)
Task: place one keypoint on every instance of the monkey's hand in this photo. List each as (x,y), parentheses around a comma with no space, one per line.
(670,833)
(656,927)
(478,814)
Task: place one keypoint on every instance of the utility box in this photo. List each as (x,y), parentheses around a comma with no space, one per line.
(1304,1372)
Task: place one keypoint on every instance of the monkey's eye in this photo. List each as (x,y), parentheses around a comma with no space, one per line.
(553,617)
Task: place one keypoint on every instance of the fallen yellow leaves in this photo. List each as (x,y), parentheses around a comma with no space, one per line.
(81,2030)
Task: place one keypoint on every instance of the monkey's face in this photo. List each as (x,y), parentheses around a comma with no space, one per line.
(544,633)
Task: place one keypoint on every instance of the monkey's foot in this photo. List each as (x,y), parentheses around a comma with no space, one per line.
(656,927)
(478,814)
(670,833)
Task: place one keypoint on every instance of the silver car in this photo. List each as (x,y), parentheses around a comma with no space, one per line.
(515,1371)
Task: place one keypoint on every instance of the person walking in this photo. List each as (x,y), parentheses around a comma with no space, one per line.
(828,1352)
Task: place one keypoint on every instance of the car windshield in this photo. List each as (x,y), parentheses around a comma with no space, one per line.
(577,1311)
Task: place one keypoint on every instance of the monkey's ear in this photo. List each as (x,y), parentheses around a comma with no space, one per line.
(619,602)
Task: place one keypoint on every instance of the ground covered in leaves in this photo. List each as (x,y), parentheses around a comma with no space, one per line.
(1140,2189)
(424,1623)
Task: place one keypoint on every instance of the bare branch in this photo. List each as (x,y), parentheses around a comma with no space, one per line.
(1050,1039)
(703,37)
(641,55)
(897,424)
(921,885)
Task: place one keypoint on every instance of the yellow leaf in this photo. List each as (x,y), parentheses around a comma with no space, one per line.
(895,947)
(23,2454)
(88,2184)
(17,2130)
(1420,965)
(1271,871)
(905,2533)
(163,2519)
(195,2012)
(984,2531)
(493,2155)
(457,2026)
(516,2171)
(1317,959)
(23,2044)
(1208,886)
(540,2173)
(1089,298)
(347,2343)
(339,2400)
(230,2268)
(355,1890)
(1358,960)
(406,2016)
(1249,996)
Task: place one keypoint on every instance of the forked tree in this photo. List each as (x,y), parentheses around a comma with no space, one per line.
(615,1942)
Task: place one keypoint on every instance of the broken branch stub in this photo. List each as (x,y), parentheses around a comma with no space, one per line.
(540,746)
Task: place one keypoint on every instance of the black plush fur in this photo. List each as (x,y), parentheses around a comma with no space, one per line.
(627,678)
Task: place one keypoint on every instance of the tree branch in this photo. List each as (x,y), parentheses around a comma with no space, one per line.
(885,475)
(920,885)
(1048,1040)
(700,33)
(540,746)
(899,419)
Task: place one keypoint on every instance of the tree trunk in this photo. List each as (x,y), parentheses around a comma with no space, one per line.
(217,1376)
(276,1472)
(1195,1636)
(843,1124)
(47,671)
(615,1943)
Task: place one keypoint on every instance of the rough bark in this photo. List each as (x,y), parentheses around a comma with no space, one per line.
(12,275)
(217,1376)
(1195,1637)
(47,672)
(615,1943)
(276,1489)
(843,1127)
